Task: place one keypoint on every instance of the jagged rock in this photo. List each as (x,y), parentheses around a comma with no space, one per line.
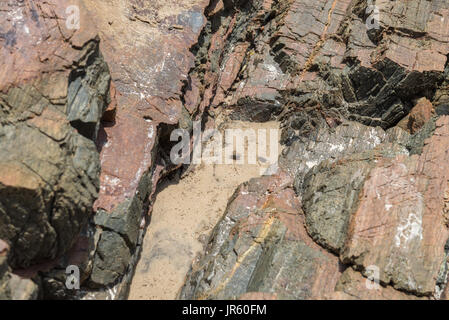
(421,113)
(86,98)
(124,220)
(111,259)
(49,170)
(330,170)
(291,269)
(322,64)
(260,245)
(254,249)
(121,230)
(331,191)
(333,144)
(149,72)
(399,224)
(142,101)
(323,61)
(314,65)
(417,141)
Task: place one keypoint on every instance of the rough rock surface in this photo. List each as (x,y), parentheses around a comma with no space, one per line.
(54,87)
(310,63)
(53,111)
(368,208)
(13,287)
(149,73)
(421,113)
(331,190)
(364,113)
(402,215)
(261,245)
(371,194)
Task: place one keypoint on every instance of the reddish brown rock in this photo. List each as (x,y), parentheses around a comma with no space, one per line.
(53,90)
(418,116)
(399,224)
(39,29)
(423,18)
(148,70)
(313,65)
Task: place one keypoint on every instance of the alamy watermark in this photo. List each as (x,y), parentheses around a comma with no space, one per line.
(73,277)
(72,21)
(372,274)
(373,13)
(212,147)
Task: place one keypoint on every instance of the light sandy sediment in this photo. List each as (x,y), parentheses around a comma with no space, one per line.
(184,213)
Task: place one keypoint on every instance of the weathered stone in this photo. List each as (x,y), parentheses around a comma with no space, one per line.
(124,220)
(333,144)
(316,66)
(421,113)
(323,66)
(54,182)
(148,71)
(417,141)
(293,270)
(353,286)
(322,59)
(331,193)
(13,287)
(399,224)
(111,259)
(260,245)
(86,98)
(49,171)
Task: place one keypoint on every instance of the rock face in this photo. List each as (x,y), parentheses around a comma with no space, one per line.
(53,111)
(261,245)
(12,287)
(361,98)
(149,74)
(366,209)
(273,57)
(331,192)
(53,90)
(90,91)
(421,113)
(402,215)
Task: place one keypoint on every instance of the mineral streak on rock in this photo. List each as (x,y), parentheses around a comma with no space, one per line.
(260,245)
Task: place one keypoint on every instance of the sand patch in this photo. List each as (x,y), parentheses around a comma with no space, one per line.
(184,213)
